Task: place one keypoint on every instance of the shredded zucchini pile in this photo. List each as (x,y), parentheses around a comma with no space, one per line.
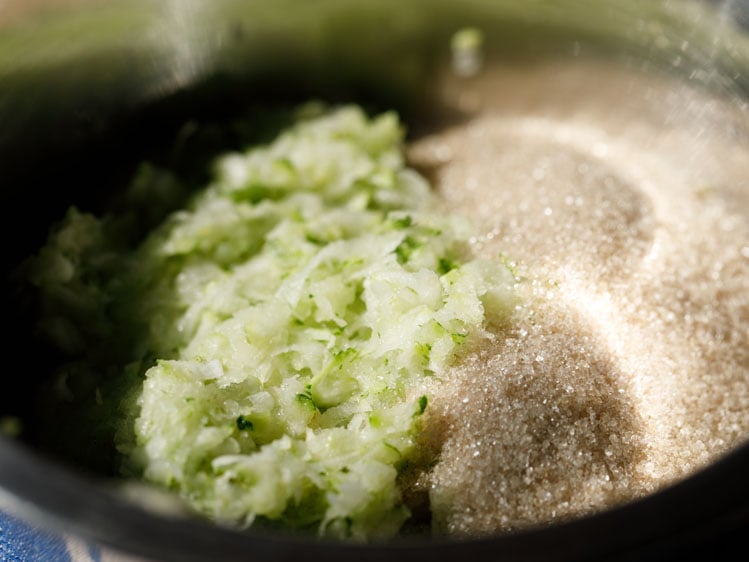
(281,326)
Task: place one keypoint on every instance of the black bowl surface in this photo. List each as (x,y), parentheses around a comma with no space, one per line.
(88,92)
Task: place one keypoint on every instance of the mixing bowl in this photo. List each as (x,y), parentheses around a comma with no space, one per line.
(88,89)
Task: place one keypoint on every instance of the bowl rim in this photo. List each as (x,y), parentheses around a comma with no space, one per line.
(47,493)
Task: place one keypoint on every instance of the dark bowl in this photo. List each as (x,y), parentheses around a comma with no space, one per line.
(87,91)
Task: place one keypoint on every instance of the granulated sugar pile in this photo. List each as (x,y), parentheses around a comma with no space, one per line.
(622,201)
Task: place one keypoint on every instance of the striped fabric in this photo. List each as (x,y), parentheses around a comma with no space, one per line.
(22,542)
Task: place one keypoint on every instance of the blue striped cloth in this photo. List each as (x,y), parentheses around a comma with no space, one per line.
(22,542)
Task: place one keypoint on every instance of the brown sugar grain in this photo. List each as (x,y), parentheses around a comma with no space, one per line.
(622,202)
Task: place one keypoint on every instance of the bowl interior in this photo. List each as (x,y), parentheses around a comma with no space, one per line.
(90,93)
